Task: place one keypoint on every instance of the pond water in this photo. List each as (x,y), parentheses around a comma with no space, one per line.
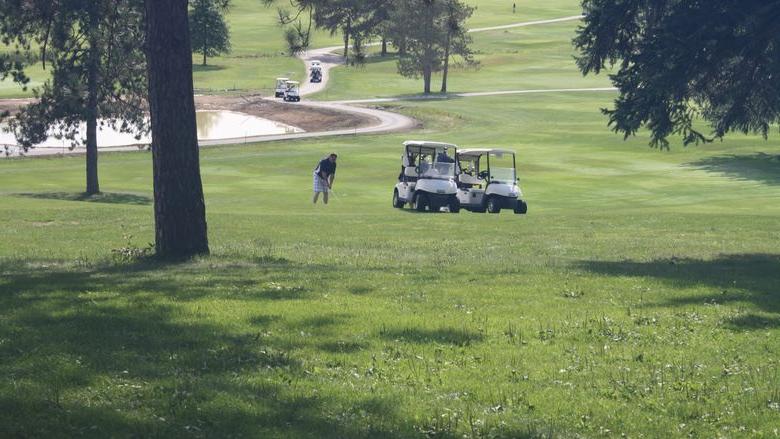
(212,125)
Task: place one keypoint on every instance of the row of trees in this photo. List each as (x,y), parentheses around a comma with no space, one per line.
(110,60)
(97,68)
(427,33)
(95,56)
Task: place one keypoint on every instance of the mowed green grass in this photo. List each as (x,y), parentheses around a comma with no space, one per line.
(525,58)
(258,54)
(499,12)
(639,296)
(257,57)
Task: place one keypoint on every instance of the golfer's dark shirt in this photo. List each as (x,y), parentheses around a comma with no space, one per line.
(326,168)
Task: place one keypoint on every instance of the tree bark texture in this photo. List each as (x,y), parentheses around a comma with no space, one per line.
(93,184)
(205,43)
(347,33)
(179,208)
(427,73)
(446,62)
(384,46)
(430,52)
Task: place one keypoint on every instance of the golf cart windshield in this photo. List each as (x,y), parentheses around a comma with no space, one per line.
(433,162)
(502,168)
(502,175)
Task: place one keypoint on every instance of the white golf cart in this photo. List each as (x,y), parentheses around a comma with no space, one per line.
(292,91)
(427,178)
(487,180)
(281,86)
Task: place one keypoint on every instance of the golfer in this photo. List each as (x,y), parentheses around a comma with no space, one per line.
(324,174)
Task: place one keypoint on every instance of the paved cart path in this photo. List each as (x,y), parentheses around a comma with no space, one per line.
(386,121)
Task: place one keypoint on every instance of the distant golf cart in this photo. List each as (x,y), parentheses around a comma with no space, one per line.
(292,91)
(427,178)
(487,181)
(316,74)
(281,87)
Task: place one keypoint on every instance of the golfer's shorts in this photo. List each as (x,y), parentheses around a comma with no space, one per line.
(319,184)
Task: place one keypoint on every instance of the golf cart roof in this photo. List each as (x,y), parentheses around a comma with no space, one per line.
(293,82)
(427,144)
(483,151)
(283,79)
(315,62)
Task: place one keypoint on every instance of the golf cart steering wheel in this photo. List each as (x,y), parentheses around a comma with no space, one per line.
(483,175)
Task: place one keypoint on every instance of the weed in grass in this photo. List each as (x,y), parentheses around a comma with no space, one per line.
(130,253)
(572,294)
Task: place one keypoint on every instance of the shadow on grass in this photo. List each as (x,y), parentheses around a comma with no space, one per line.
(207,68)
(753,278)
(105,197)
(342,347)
(761,167)
(360,290)
(110,352)
(166,279)
(323,323)
(451,336)
(117,351)
(754,322)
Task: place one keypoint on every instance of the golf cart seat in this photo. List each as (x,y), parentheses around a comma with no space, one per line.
(469,179)
(410,171)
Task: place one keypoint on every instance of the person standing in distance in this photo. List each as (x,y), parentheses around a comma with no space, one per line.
(324,174)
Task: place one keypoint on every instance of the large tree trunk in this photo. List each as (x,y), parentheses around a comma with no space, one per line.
(401,47)
(347,32)
(429,52)
(204,33)
(446,63)
(384,46)
(427,72)
(93,184)
(179,209)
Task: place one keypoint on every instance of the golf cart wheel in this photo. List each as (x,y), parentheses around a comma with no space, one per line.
(420,202)
(454,205)
(397,203)
(521,207)
(493,205)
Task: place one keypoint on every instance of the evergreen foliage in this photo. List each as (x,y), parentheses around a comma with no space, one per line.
(679,61)
(94,53)
(209,32)
(429,31)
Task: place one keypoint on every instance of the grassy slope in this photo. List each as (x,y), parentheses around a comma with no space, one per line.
(257,57)
(639,296)
(498,12)
(258,46)
(535,57)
